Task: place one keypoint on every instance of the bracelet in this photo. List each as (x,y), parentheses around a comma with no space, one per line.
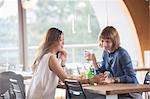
(116,79)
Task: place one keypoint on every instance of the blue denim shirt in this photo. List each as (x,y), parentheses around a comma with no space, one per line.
(119,64)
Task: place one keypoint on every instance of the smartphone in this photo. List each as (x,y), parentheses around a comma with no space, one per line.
(57,54)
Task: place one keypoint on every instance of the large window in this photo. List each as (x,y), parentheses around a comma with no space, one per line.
(9,49)
(80,20)
(75,18)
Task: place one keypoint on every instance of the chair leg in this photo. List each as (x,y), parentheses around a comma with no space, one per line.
(147,95)
(66,95)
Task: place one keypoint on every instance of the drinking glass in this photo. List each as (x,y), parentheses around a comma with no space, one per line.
(81,70)
(83,74)
(88,55)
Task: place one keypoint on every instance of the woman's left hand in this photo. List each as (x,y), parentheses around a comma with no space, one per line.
(108,80)
(98,79)
(63,55)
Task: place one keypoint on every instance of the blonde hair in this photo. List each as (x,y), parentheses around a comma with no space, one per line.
(50,40)
(111,33)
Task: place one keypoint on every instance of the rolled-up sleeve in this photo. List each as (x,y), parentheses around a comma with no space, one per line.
(129,74)
(101,66)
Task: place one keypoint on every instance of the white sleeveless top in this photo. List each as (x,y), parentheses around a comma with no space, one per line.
(44,81)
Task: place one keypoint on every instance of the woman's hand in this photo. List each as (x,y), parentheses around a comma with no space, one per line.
(63,55)
(98,79)
(108,80)
(102,79)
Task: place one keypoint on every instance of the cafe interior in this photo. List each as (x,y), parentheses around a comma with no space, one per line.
(23,24)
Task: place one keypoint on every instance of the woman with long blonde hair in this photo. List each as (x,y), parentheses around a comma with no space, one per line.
(47,69)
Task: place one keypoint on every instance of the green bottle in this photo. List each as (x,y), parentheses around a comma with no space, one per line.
(90,73)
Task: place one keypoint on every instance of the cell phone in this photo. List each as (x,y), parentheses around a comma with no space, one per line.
(57,54)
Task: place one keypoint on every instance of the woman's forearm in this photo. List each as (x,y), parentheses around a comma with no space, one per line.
(94,62)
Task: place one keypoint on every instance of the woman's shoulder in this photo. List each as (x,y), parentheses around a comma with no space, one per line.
(48,54)
(121,51)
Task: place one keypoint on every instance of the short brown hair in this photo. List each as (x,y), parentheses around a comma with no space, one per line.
(111,33)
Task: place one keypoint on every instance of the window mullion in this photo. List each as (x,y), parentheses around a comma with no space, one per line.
(23,48)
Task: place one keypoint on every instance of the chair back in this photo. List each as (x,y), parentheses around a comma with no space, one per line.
(147,78)
(9,77)
(4,86)
(17,88)
(74,90)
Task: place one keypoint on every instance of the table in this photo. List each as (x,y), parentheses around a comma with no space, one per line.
(112,90)
(142,69)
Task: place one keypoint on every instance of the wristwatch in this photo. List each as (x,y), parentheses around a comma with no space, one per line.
(116,79)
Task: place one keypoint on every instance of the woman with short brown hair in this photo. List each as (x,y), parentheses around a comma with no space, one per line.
(116,63)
